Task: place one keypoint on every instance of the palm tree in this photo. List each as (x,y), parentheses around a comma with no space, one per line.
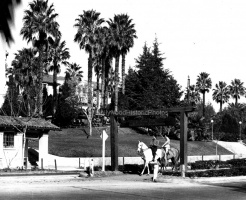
(87,25)
(115,29)
(203,84)
(6,17)
(102,55)
(25,76)
(128,33)
(58,56)
(39,21)
(221,93)
(194,95)
(74,72)
(236,89)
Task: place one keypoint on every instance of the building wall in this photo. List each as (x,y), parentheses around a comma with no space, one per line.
(12,157)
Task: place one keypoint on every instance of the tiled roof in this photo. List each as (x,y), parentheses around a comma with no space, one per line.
(31,123)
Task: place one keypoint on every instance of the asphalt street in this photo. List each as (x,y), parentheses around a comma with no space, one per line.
(120,187)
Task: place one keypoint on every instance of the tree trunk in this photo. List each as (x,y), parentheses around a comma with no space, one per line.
(97,93)
(236,101)
(116,83)
(90,106)
(123,72)
(203,105)
(54,91)
(221,102)
(40,85)
(103,86)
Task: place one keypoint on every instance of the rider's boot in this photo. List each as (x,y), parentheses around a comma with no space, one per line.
(166,158)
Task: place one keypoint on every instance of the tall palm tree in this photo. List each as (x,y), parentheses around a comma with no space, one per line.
(102,55)
(87,24)
(221,93)
(236,89)
(115,29)
(128,33)
(203,84)
(39,21)
(6,17)
(97,65)
(58,55)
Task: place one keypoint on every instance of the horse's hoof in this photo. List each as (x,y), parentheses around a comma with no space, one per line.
(147,174)
(140,174)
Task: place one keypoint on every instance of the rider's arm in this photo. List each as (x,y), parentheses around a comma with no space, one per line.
(168,141)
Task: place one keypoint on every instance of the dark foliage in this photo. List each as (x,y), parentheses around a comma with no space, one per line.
(151,86)
(210,164)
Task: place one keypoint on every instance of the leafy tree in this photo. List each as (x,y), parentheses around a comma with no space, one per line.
(236,89)
(24,75)
(6,17)
(203,83)
(201,124)
(39,21)
(68,102)
(227,121)
(151,86)
(58,56)
(194,95)
(11,106)
(86,25)
(221,93)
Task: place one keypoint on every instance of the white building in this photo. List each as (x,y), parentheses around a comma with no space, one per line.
(14,143)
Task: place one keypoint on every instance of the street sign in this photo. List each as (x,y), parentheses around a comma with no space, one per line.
(104,135)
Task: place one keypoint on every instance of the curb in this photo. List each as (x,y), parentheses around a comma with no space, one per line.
(40,174)
(219,179)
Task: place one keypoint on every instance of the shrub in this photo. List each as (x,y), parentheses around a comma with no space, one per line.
(216,173)
(237,162)
(209,164)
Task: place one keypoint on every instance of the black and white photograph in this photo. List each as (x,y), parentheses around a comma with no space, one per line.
(130,99)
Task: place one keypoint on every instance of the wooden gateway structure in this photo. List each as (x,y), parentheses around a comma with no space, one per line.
(14,135)
(154,122)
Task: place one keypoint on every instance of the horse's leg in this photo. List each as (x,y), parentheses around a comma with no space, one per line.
(148,167)
(143,168)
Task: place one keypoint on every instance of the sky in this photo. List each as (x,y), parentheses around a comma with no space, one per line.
(195,35)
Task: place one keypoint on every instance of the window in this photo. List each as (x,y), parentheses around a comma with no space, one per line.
(8,140)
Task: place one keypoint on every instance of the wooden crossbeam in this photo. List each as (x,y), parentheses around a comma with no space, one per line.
(160,112)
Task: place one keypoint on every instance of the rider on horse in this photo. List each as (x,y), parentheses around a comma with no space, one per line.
(154,144)
(166,146)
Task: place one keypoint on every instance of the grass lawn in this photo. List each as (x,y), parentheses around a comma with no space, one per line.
(74,143)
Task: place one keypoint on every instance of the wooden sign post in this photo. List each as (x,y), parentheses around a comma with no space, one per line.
(163,112)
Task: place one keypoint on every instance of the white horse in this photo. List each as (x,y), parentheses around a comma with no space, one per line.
(147,155)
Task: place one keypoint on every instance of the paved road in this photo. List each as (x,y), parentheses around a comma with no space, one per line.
(118,187)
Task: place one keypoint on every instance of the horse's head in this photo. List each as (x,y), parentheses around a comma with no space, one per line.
(141,146)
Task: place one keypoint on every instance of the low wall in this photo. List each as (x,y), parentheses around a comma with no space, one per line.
(82,163)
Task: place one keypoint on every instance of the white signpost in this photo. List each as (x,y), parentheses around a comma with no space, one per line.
(104,137)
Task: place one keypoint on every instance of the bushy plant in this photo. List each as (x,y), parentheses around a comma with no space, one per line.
(209,164)
(237,162)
